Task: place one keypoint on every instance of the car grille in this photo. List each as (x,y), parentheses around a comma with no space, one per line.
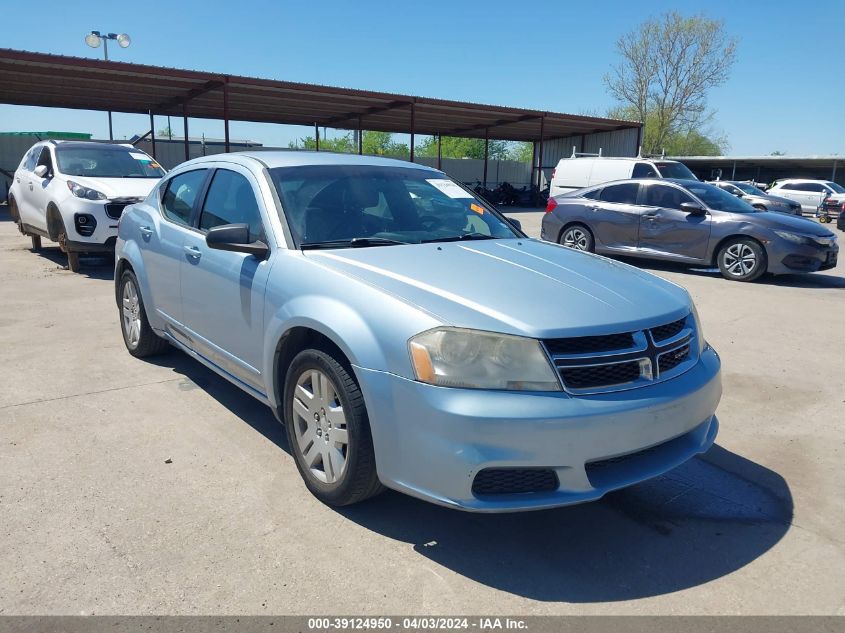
(114,209)
(505,481)
(600,375)
(597,364)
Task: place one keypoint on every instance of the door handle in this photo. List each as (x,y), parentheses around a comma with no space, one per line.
(192,251)
(30,186)
(145,231)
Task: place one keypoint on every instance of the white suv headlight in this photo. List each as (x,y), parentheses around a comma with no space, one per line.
(471,359)
(84,192)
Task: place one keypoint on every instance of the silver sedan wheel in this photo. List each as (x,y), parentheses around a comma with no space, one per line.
(739,260)
(320,426)
(576,238)
(131,314)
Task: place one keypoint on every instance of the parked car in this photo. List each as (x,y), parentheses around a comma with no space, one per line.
(808,193)
(686,221)
(390,318)
(73,193)
(757,198)
(584,171)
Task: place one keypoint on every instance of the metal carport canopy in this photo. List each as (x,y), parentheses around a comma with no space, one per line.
(40,79)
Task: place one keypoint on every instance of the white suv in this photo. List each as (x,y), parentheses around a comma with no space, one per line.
(74,192)
(808,193)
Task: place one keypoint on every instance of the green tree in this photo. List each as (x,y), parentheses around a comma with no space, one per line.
(165,132)
(456,147)
(698,140)
(667,67)
(375,143)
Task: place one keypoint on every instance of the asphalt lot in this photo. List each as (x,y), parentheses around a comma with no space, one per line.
(93,519)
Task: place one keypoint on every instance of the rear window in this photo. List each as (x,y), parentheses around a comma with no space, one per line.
(625,193)
(675,170)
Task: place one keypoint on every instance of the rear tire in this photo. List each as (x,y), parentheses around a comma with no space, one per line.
(579,237)
(138,336)
(742,259)
(328,430)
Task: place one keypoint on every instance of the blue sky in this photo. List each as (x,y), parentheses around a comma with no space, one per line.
(786,91)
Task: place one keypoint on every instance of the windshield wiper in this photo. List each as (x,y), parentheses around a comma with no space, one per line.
(458,238)
(355,242)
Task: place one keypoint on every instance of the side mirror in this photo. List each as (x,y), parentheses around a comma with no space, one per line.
(739,194)
(41,171)
(515,223)
(693,209)
(235,238)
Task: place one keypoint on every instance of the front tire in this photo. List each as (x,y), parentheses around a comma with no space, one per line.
(138,336)
(328,430)
(579,237)
(742,259)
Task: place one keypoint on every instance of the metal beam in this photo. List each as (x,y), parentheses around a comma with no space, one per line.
(317,136)
(191,94)
(343,118)
(360,137)
(153,128)
(487,126)
(185,126)
(226,113)
(486,154)
(413,125)
(439,152)
(540,159)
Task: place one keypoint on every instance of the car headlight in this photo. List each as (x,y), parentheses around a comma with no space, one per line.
(471,359)
(699,331)
(794,237)
(84,192)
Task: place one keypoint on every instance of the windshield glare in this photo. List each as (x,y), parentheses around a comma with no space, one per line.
(719,199)
(106,162)
(754,191)
(675,170)
(340,203)
(836,187)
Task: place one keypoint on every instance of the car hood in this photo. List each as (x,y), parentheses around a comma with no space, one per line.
(782,221)
(118,187)
(524,287)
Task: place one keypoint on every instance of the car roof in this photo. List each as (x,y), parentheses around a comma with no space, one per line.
(644,158)
(90,145)
(300,158)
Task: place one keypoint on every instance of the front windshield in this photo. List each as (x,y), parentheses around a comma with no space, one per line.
(836,187)
(675,170)
(718,199)
(369,205)
(107,162)
(754,191)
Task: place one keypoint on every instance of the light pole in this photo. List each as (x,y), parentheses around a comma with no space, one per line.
(94,39)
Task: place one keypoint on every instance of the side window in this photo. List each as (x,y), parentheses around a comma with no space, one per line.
(180,194)
(626,193)
(814,187)
(45,159)
(666,197)
(231,200)
(592,195)
(31,158)
(644,170)
(790,186)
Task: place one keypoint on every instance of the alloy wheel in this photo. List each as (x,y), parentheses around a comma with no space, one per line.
(131,314)
(576,238)
(739,259)
(319,425)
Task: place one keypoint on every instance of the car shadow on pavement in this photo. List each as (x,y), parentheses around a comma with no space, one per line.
(702,521)
(93,266)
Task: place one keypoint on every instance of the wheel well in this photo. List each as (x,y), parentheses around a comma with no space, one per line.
(54,222)
(715,255)
(122,265)
(294,341)
(13,208)
(573,223)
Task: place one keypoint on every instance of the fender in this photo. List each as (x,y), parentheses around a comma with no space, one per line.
(129,253)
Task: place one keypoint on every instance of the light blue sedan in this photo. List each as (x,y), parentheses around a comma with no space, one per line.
(408,335)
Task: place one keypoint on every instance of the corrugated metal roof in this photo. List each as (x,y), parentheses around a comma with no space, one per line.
(28,78)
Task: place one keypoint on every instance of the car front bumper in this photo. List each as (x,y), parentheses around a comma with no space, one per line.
(105,231)
(788,257)
(431,442)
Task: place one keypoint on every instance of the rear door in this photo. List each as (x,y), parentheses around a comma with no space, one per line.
(571,174)
(223,291)
(615,216)
(164,242)
(39,191)
(25,187)
(667,231)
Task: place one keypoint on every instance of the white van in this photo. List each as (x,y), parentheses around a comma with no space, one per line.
(584,171)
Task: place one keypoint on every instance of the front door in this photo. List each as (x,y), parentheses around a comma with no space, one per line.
(615,216)
(666,231)
(222,291)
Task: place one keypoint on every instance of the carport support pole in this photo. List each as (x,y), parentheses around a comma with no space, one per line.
(153,133)
(413,125)
(111,135)
(540,153)
(439,152)
(833,175)
(733,173)
(486,152)
(317,136)
(185,126)
(226,113)
(360,137)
